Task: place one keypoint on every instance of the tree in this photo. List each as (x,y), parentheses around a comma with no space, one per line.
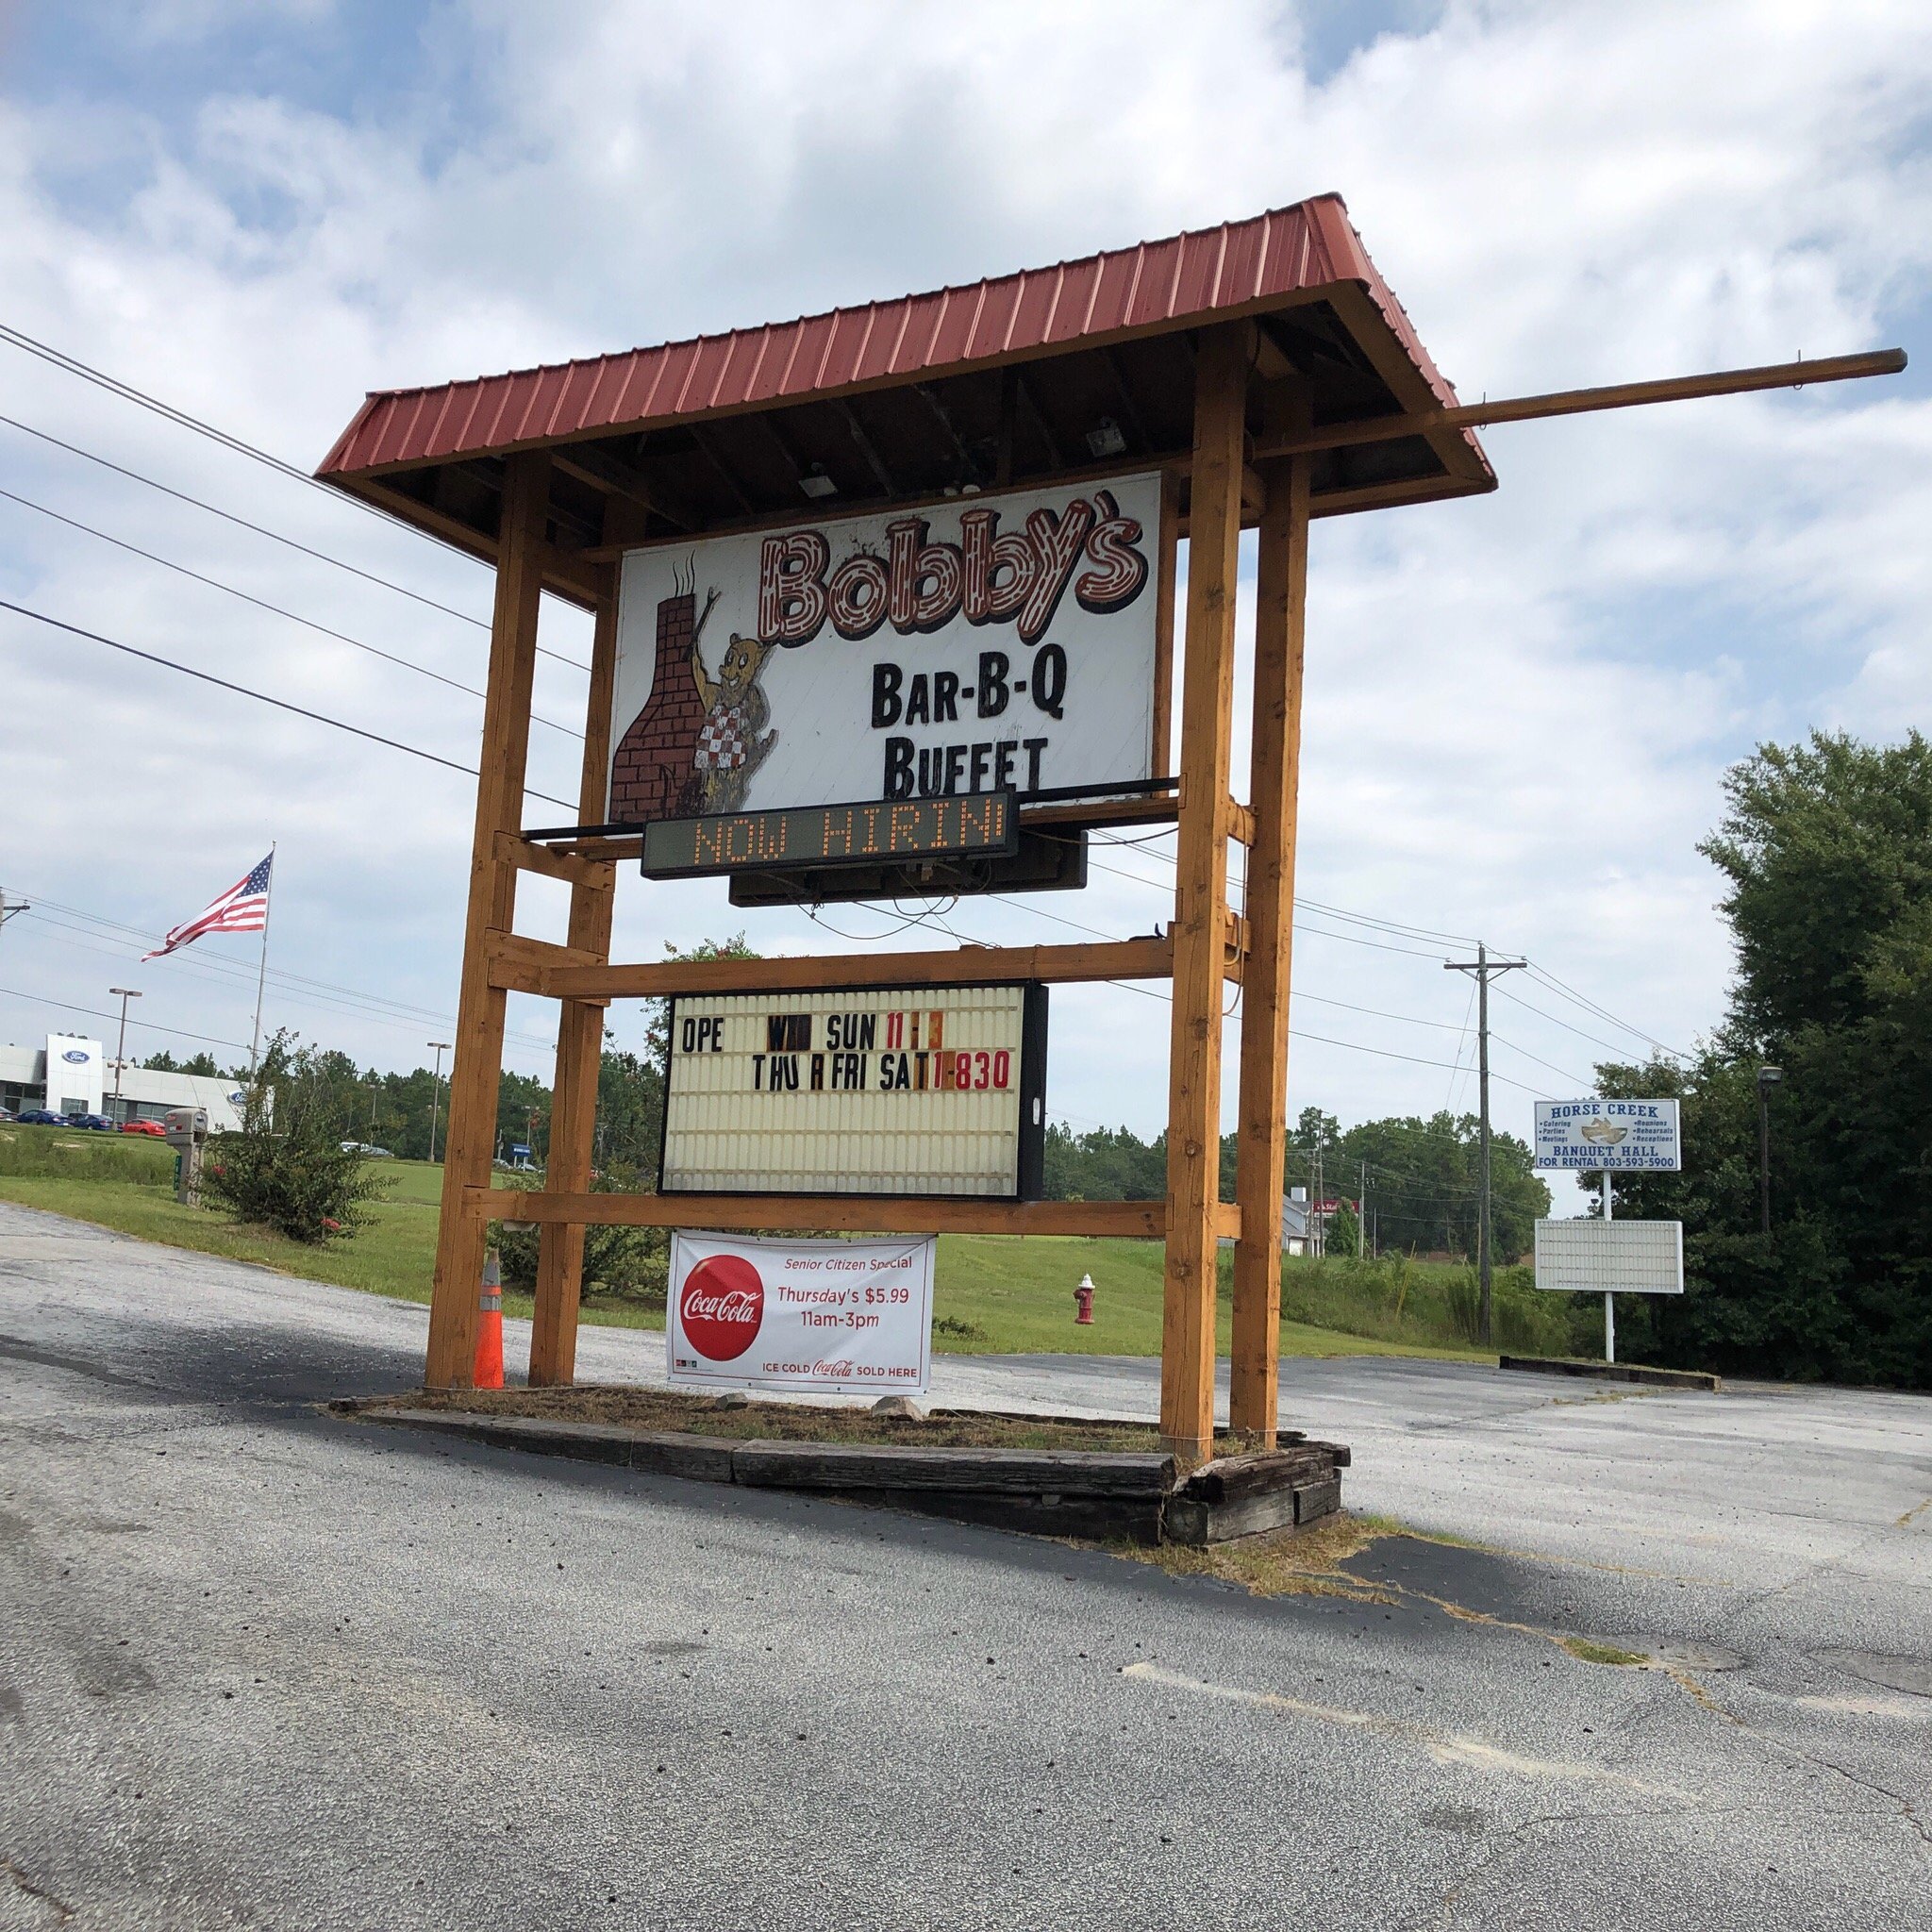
(285,1167)
(1827,850)
(165,1062)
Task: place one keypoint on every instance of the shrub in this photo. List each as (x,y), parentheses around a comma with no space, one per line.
(632,1263)
(285,1167)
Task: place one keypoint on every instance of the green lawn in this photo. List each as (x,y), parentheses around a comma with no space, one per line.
(993,1293)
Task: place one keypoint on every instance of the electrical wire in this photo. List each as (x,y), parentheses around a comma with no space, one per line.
(93,1013)
(139,937)
(211,970)
(262,697)
(277,536)
(262,604)
(1589,1006)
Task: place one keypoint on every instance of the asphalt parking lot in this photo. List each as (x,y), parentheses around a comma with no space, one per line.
(264,1667)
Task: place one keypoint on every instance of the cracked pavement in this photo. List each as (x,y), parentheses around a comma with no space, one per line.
(264,1667)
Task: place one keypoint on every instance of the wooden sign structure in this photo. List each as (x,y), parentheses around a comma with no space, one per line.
(1262,369)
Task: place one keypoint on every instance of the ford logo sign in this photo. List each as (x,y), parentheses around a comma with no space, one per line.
(238,1100)
(74,1054)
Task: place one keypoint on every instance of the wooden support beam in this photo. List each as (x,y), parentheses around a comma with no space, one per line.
(1240,824)
(1146,958)
(844,1213)
(1280,621)
(477,1063)
(866,448)
(604,472)
(579,1045)
(1577,402)
(1193,1129)
(526,857)
(516,964)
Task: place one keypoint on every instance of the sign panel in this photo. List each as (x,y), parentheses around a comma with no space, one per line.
(1617,1136)
(1586,1257)
(833,835)
(854,1317)
(881,1091)
(984,644)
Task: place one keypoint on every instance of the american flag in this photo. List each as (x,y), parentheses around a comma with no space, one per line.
(243,907)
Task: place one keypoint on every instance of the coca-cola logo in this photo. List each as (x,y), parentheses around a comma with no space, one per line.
(722,1306)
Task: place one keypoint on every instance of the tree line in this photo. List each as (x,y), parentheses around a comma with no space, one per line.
(1418,1181)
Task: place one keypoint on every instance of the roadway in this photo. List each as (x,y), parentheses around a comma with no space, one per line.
(268,1667)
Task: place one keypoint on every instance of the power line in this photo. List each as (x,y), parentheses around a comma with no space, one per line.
(262,697)
(1589,1006)
(139,936)
(94,1013)
(212,971)
(127,392)
(262,604)
(229,516)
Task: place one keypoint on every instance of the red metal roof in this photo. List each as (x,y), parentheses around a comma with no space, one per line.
(1182,281)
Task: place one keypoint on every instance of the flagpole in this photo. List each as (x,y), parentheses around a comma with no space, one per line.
(268,901)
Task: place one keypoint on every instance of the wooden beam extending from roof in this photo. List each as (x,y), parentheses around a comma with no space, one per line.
(1577,402)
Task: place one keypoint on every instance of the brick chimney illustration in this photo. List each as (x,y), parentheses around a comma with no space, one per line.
(652,775)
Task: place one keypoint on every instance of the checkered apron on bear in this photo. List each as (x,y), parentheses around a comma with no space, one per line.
(721,745)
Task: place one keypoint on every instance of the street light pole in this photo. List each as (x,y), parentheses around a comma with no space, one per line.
(441,1047)
(126,994)
(1768,1077)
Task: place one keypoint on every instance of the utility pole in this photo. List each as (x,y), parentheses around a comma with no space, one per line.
(126,993)
(8,908)
(1483,968)
(1361,1211)
(441,1047)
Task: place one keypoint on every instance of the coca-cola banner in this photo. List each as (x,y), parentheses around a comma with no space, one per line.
(984,644)
(820,1316)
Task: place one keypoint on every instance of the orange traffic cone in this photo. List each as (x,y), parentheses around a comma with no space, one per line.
(489,1370)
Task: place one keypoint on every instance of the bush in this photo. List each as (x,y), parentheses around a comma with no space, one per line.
(631,1263)
(285,1167)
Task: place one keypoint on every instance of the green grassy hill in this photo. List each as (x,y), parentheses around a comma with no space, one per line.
(993,1293)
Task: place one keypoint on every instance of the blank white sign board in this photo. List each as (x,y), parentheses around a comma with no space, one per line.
(1586,1257)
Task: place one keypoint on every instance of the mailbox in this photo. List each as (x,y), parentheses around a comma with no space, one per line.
(185,1127)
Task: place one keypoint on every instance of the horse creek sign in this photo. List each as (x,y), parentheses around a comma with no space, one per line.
(984,644)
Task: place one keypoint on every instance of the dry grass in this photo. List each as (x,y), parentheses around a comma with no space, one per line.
(1306,1562)
(790,1421)
(1587,1649)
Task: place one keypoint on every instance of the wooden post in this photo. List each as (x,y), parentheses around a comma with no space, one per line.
(580,1045)
(1280,613)
(1200,920)
(477,1064)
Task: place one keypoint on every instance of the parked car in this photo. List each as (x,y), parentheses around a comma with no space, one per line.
(93,1122)
(4,1115)
(366,1151)
(39,1117)
(151,1127)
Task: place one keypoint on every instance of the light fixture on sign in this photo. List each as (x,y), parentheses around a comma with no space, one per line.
(816,483)
(1105,438)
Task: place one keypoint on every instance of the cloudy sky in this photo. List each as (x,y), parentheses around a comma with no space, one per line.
(1519,707)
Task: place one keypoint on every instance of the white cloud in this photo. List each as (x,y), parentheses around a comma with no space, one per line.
(1519,707)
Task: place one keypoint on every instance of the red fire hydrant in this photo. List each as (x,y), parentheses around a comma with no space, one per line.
(1083,1301)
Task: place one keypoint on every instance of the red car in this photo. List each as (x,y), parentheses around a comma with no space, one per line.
(153,1127)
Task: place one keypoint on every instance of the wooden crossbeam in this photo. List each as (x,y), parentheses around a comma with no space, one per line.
(1577,402)
(566,866)
(529,966)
